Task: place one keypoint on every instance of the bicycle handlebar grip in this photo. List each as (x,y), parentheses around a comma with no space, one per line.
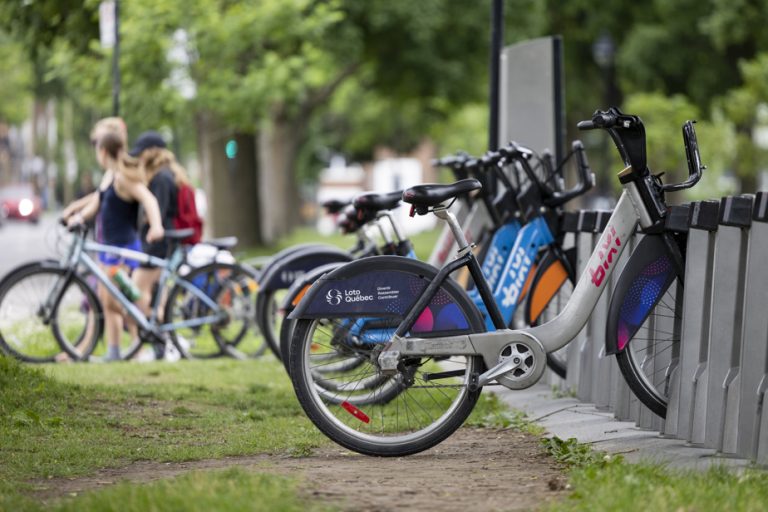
(586,125)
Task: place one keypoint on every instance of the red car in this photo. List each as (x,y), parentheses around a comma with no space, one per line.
(20,202)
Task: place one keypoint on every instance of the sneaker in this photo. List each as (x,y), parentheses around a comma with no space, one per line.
(171,354)
(146,355)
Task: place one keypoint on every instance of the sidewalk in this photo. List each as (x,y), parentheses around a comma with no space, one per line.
(568,417)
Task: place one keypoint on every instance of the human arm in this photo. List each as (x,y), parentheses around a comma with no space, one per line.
(86,211)
(140,193)
(77,205)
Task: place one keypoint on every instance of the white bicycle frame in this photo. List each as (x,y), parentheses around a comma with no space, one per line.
(551,336)
(474,222)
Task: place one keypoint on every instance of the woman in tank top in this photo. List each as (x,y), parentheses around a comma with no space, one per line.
(118,207)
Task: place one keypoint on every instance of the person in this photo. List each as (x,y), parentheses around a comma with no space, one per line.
(112,125)
(117,204)
(155,161)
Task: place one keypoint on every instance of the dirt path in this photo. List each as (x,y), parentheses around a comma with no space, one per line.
(475,469)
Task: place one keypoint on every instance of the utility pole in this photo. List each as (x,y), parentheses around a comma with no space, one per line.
(497,40)
(116,64)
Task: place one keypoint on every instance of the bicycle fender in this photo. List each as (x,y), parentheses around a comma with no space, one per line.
(552,270)
(301,286)
(647,275)
(296,264)
(389,285)
(275,259)
(44,263)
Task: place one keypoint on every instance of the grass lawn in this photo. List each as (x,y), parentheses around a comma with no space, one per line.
(68,420)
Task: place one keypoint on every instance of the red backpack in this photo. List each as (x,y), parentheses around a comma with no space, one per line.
(186,214)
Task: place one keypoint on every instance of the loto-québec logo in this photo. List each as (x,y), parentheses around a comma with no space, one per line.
(605,254)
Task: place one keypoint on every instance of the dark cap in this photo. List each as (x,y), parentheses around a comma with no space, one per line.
(146,141)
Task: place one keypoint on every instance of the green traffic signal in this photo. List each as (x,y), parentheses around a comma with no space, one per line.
(231,149)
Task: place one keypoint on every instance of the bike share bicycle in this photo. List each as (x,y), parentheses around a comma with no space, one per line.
(437,348)
(52,299)
(508,262)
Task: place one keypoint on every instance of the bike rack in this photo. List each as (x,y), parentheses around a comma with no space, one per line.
(718,373)
(688,391)
(678,221)
(581,355)
(750,425)
(726,313)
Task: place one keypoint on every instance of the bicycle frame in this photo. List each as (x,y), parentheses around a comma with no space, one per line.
(78,255)
(629,211)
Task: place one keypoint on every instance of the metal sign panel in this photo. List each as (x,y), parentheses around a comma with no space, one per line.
(532,98)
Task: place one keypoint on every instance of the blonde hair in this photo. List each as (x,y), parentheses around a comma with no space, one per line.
(154,159)
(113,125)
(113,145)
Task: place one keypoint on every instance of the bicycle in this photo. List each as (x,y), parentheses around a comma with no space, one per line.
(54,296)
(430,339)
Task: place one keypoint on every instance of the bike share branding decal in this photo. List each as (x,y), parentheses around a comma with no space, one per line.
(643,295)
(492,265)
(390,293)
(605,254)
(518,273)
(334,297)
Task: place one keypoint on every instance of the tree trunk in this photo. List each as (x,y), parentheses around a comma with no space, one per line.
(231,185)
(279,140)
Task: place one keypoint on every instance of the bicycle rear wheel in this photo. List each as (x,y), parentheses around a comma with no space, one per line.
(36,328)
(229,286)
(424,402)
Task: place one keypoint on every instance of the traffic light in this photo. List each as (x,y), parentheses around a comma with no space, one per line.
(231,149)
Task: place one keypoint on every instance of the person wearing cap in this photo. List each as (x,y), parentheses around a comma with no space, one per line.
(148,148)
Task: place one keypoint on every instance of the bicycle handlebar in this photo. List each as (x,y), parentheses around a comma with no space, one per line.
(586,178)
(693,158)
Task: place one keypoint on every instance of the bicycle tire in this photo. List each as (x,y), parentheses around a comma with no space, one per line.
(220,282)
(411,387)
(74,338)
(266,313)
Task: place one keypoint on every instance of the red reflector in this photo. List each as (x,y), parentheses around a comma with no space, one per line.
(413,210)
(354,411)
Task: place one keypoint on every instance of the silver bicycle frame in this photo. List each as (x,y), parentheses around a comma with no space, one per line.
(555,334)
(474,223)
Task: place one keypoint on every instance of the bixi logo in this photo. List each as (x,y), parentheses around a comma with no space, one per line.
(333,297)
(521,265)
(605,255)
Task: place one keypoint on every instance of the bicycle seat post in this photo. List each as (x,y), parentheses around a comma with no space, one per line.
(442,213)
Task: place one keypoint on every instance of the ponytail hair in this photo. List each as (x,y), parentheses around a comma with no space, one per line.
(114,145)
(154,159)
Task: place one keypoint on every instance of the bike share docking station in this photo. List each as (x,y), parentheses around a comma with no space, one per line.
(717,375)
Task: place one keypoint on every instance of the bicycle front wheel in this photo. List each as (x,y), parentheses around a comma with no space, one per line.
(644,323)
(369,412)
(46,316)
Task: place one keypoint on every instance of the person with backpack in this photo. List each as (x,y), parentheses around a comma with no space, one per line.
(168,182)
